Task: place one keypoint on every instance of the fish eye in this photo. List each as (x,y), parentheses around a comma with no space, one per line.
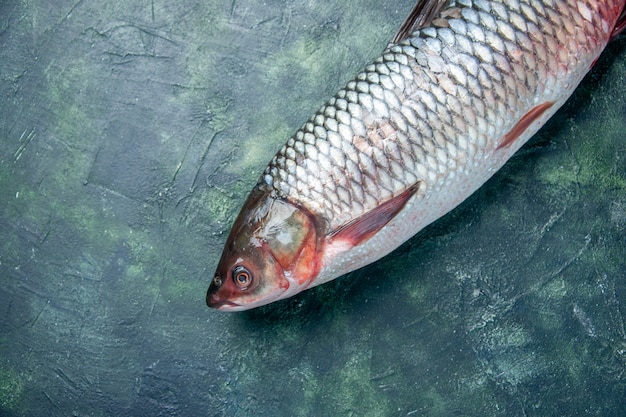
(242,277)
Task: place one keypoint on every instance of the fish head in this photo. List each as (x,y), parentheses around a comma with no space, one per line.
(272,253)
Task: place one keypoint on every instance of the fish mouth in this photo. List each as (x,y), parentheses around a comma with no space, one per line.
(213,301)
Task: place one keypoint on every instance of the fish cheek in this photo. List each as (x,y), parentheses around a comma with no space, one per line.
(293,242)
(267,274)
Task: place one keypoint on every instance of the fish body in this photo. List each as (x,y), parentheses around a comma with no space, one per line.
(462,86)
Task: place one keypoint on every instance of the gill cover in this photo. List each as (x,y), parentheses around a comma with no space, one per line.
(270,254)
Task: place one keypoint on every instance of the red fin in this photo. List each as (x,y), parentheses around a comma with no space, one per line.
(368,224)
(620,25)
(526,120)
(422,14)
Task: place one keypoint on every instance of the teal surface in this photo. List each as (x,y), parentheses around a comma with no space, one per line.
(130,134)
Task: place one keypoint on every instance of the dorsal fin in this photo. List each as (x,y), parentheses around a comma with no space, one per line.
(620,25)
(423,13)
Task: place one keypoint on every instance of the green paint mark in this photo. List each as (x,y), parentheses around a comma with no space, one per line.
(11,388)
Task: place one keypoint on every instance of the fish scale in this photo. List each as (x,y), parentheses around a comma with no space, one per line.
(461,87)
(434,104)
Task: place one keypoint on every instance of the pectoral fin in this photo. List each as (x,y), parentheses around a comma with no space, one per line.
(368,224)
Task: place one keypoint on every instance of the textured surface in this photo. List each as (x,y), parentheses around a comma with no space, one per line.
(130,133)
(435,107)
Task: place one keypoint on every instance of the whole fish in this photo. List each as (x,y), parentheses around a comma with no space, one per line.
(461,87)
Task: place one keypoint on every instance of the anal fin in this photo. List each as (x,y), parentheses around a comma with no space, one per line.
(368,224)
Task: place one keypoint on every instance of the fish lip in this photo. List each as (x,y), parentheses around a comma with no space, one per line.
(214,302)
